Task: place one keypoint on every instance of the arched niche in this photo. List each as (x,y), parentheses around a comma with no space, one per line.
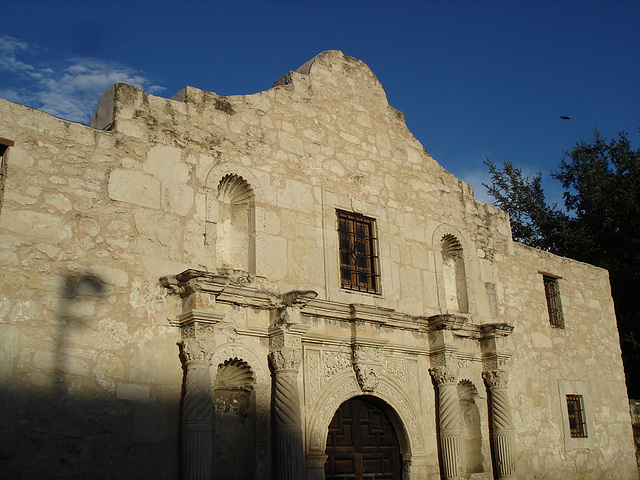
(235,242)
(473,459)
(451,270)
(234,448)
(454,274)
(236,368)
(234,217)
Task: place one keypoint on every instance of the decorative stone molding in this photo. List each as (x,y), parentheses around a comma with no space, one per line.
(192,281)
(285,358)
(495,330)
(367,362)
(443,375)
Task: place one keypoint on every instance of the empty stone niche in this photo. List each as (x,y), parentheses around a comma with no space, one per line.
(235,245)
(234,450)
(473,459)
(454,275)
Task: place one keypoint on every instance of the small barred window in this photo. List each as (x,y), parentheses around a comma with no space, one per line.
(359,267)
(577,421)
(554,305)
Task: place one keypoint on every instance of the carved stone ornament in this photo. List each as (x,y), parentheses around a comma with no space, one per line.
(442,359)
(366,354)
(286,358)
(367,377)
(191,281)
(444,374)
(237,277)
(496,378)
(367,360)
(194,350)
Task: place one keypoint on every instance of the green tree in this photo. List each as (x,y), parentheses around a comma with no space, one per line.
(600,224)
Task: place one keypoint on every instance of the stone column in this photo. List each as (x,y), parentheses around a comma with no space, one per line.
(502,433)
(450,431)
(285,357)
(197,410)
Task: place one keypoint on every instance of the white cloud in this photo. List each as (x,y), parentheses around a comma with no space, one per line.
(9,49)
(70,91)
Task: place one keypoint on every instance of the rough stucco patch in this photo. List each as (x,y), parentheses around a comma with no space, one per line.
(19,158)
(9,345)
(157,233)
(177,197)
(156,363)
(59,201)
(35,224)
(134,187)
(164,162)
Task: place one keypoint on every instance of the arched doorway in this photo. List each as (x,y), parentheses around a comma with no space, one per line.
(362,443)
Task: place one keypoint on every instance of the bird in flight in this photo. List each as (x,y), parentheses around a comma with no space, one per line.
(564,117)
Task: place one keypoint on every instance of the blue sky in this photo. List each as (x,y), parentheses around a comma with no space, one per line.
(474,78)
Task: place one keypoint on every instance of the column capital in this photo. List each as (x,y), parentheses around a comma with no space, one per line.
(285,358)
(496,378)
(194,350)
(444,374)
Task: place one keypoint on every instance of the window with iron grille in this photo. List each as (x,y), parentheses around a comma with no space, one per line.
(554,305)
(575,410)
(359,267)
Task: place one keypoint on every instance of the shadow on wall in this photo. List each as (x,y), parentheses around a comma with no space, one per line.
(61,419)
(43,436)
(79,294)
(68,419)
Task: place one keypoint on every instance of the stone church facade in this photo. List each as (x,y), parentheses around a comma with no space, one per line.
(285,285)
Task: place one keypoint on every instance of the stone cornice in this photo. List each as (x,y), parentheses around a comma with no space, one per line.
(461,326)
(495,330)
(228,290)
(200,316)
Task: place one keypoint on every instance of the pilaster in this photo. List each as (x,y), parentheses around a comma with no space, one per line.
(444,372)
(285,357)
(196,349)
(495,356)
(198,291)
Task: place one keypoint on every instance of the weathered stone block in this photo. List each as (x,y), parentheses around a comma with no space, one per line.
(134,187)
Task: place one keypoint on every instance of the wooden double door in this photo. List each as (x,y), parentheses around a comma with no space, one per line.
(362,443)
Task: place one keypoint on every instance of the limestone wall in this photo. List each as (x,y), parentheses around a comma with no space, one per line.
(585,354)
(89,363)
(249,186)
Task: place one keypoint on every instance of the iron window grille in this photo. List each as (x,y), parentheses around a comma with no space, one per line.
(554,304)
(577,421)
(359,265)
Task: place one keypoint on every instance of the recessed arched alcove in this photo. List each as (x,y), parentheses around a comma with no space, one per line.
(235,243)
(234,450)
(454,275)
(472,442)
